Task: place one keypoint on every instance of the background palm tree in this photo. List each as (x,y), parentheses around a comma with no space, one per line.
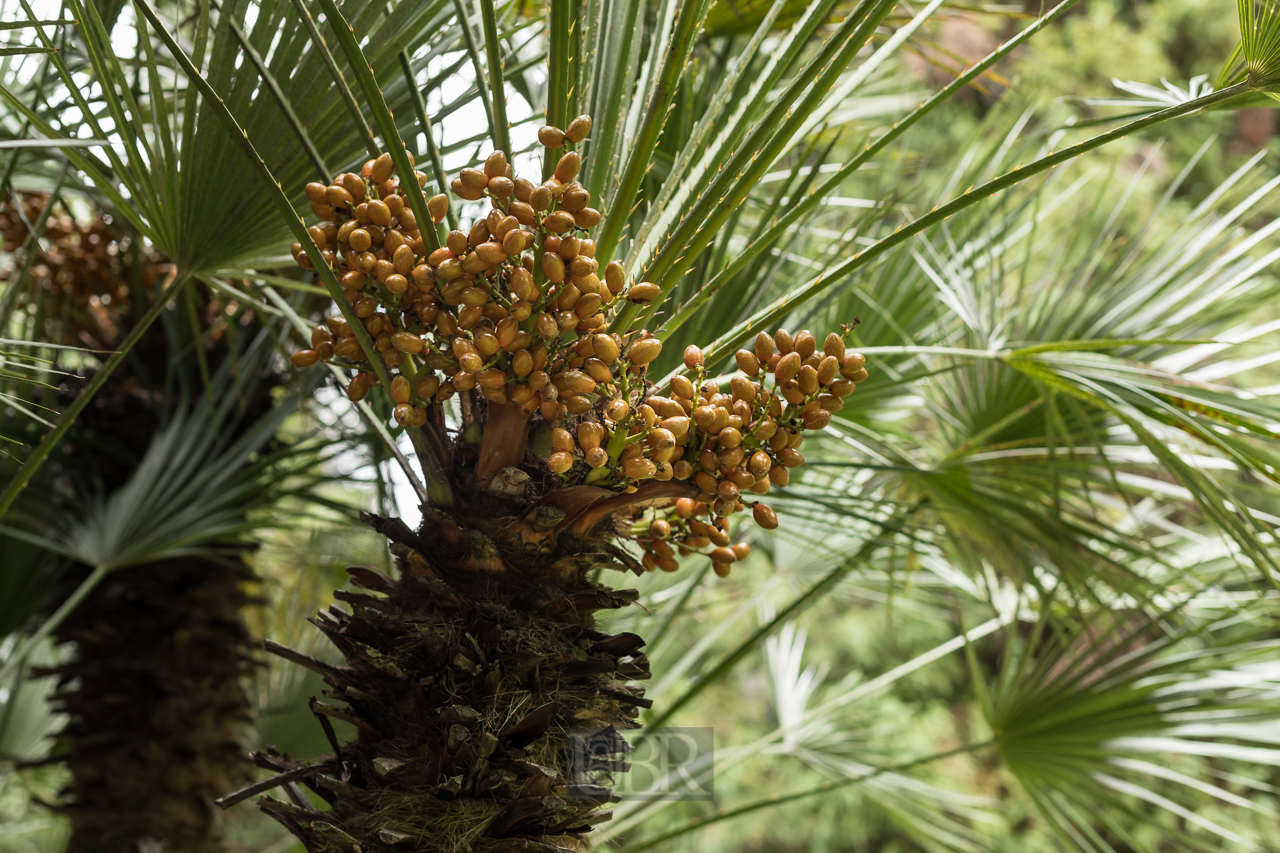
(151,493)
(1039,379)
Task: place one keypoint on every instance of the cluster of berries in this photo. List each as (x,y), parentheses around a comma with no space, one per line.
(79,264)
(516,309)
(746,440)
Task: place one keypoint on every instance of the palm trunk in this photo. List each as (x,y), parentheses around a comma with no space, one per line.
(463,678)
(156,707)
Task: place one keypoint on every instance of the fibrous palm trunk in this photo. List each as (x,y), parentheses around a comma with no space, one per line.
(464,676)
(156,707)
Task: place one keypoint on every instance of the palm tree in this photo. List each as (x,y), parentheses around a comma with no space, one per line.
(581,324)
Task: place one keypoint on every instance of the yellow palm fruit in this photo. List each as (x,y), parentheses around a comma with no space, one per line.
(834,346)
(722,556)
(568,247)
(744,390)
(553,267)
(747,362)
(587,305)
(644,351)
(400,391)
(349,348)
(578,129)
(339,196)
(730,437)
(558,222)
(807,379)
(597,457)
(562,439)
(540,199)
(817,419)
(660,439)
(462,191)
(785,343)
(597,370)
(590,435)
(606,348)
(320,335)
(616,410)
(427,386)
(317,236)
(828,370)
(383,168)
(566,297)
(501,187)
(354,185)
(473,179)
(403,414)
(358,387)
(495,164)
(643,292)
(790,457)
(551,137)
(852,363)
(407,342)
(575,197)
(678,426)
(304,358)
(559,462)
(615,277)
(787,368)
(566,169)
(360,239)
(438,207)
(805,344)
(640,468)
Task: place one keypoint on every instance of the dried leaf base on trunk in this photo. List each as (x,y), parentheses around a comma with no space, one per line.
(156,707)
(462,678)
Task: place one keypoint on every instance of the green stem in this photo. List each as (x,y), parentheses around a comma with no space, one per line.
(433,150)
(464,21)
(780,799)
(723,348)
(493,48)
(559,46)
(344,91)
(640,158)
(42,451)
(386,125)
(51,624)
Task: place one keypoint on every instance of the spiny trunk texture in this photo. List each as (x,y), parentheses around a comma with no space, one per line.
(463,678)
(156,707)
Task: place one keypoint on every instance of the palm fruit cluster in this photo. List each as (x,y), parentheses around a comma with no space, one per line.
(78,264)
(516,309)
(743,439)
(467,674)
